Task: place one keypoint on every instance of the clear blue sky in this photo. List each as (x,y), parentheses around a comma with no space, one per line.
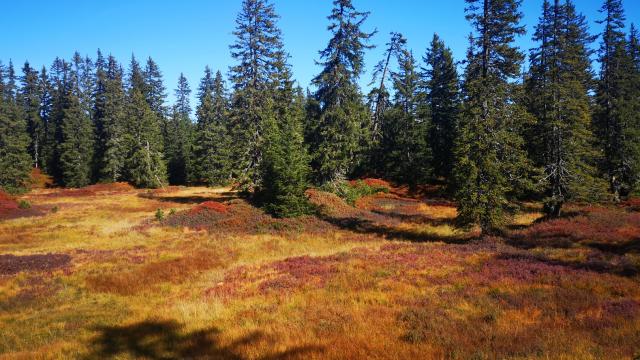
(184,36)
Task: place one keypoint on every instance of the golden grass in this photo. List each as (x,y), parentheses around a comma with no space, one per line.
(135,288)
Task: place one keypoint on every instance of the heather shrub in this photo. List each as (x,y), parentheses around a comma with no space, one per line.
(24,204)
(352,191)
(159,215)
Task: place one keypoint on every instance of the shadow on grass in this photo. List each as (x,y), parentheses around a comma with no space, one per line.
(167,340)
(195,199)
(364,226)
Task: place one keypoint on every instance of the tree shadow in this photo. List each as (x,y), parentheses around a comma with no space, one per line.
(166,340)
(364,226)
(416,218)
(194,199)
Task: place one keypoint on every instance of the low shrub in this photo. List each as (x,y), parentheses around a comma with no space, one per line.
(24,204)
(159,215)
(354,190)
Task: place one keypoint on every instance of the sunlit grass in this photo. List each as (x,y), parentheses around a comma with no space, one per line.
(406,283)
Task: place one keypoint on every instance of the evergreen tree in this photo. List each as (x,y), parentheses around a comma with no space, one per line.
(178,138)
(213,144)
(617,120)
(145,166)
(76,147)
(15,161)
(342,117)
(46,106)
(154,90)
(60,88)
(285,167)
(379,96)
(563,144)
(441,96)
(490,161)
(110,118)
(259,53)
(405,151)
(30,100)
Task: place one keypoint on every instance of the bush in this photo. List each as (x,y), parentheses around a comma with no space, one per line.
(159,215)
(24,204)
(352,191)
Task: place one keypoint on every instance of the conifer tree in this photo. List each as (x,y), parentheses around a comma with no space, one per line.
(379,96)
(145,166)
(441,96)
(285,167)
(76,147)
(178,134)
(562,141)
(15,161)
(213,144)
(616,119)
(343,119)
(46,105)
(490,161)
(60,89)
(405,151)
(258,51)
(30,101)
(154,90)
(110,118)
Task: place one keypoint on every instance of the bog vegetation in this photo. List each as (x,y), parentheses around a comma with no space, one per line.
(506,226)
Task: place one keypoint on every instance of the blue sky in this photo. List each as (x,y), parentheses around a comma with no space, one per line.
(184,36)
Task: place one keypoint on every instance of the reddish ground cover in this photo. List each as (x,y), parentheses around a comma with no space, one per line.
(12,264)
(93,190)
(209,206)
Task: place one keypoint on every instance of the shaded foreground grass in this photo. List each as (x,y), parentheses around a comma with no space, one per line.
(389,278)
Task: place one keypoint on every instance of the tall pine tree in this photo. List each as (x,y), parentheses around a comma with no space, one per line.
(441,95)
(213,143)
(178,140)
(15,161)
(258,52)
(342,118)
(490,160)
(30,100)
(562,142)
(617,119)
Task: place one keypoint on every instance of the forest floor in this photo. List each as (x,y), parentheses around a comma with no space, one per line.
(94,273)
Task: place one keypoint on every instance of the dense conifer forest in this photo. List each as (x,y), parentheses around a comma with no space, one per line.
(492,133)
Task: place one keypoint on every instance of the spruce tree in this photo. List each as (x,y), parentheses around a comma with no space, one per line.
(616,119)
(110,118)
(285,167)
(343,119)
(30,101)
(213,143)
(45,112)
(491,163)
(563,144)
(405,152)
(15,161)
(258,52)
(76,147)
(379,96)
(178,134)
(145,166)
(441,97)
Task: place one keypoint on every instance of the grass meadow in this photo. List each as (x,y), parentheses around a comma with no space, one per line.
(110,271)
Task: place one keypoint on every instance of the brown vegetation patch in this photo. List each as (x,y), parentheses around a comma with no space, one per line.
(92,190)
(13,264)
(607,229)
(239,217)
(148,275)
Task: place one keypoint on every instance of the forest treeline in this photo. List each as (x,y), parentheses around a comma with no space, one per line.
(493,133)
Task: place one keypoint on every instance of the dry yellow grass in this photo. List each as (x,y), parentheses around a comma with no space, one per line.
(392,287)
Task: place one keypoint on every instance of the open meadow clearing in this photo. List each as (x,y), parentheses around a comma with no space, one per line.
(100,273)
